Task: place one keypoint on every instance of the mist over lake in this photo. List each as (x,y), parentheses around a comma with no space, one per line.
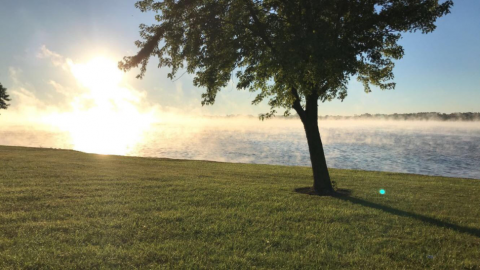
(420,147)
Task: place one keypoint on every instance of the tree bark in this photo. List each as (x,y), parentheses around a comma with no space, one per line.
(321,178)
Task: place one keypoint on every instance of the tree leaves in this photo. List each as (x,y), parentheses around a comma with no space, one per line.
(4,97)
(274,46)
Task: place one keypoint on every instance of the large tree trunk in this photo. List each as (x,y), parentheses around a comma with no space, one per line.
(309,116)
(321,178)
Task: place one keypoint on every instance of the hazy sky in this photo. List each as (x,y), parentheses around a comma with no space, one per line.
(440,71)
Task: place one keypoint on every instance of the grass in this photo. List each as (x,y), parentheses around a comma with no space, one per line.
(63,209)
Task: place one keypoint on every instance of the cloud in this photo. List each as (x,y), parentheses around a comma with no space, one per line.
(60,88)
(97,83)
(55,58)
(26,108)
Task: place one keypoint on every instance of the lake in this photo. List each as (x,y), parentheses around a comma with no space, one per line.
(431,148)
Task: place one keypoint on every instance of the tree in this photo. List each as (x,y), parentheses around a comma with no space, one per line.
(293,52)
(3,97)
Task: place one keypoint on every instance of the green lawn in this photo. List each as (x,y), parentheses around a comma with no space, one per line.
(63,209)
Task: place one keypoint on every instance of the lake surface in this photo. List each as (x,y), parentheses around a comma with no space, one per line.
(431,148)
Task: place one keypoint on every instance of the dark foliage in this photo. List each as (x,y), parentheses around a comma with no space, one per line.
(3,97)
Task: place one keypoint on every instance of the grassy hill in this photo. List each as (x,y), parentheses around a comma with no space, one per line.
(63,209)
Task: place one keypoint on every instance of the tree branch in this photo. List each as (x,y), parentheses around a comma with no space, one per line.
(145,51)
(297,106)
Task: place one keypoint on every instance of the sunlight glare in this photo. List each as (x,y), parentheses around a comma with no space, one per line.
(106,118)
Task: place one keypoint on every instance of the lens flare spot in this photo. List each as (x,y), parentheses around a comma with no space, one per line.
(382,191)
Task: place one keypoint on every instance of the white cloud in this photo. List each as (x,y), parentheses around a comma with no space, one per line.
(26,108)
(61,89)
(56,59)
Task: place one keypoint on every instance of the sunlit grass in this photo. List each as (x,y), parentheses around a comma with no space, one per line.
(68,210)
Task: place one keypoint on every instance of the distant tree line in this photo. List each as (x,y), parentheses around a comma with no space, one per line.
(422,116)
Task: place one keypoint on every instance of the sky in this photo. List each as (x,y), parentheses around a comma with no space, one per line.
(44,44)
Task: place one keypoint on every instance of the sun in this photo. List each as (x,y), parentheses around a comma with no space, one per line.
(99,72)
(107,118)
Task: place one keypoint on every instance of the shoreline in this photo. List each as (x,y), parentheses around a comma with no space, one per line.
(244,163)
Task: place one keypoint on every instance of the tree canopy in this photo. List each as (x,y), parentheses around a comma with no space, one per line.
(3,97)
(287,50)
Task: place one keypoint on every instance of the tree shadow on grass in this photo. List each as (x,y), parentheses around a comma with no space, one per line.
(344,195)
